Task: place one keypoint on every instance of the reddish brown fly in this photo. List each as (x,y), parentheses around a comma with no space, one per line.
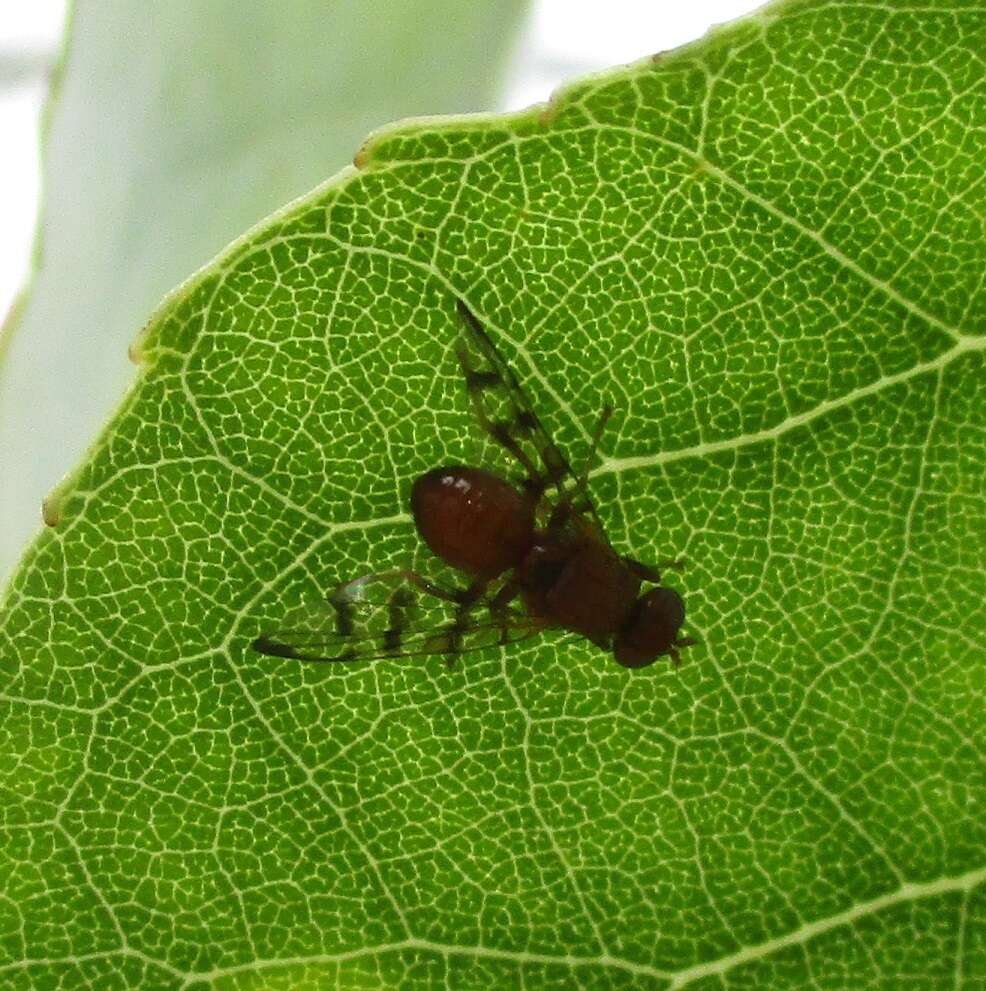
(534,554)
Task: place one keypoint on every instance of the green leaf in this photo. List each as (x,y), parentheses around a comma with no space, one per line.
(766,249)
(175,126)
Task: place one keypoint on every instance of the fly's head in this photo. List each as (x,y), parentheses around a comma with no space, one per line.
(651,629)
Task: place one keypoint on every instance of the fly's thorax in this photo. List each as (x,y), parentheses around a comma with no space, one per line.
(578,584)
(540,570)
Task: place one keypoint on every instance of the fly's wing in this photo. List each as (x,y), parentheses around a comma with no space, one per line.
(504,412)
(397,614)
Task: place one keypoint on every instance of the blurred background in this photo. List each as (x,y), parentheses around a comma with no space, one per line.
(177,126)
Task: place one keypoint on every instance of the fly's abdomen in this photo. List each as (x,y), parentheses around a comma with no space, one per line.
(472,519)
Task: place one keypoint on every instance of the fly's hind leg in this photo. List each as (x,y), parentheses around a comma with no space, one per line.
(576,501)
(347,598)
(465,600)
(498,606)
(352,591)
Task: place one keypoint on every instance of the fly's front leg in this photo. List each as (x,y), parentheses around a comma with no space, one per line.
(678,644)
(652,572)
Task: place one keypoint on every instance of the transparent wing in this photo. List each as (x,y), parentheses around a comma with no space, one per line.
(506,414)
(400,614)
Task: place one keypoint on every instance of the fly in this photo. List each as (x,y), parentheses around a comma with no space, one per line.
(533,555)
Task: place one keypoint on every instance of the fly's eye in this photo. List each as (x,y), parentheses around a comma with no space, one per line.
(665,607)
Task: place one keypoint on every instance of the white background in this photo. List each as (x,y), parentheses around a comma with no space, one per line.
(563,39)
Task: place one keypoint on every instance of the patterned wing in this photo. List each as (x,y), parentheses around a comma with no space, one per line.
(505,413)
(399,614)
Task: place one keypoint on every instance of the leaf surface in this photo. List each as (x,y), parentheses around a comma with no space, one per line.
(766,250)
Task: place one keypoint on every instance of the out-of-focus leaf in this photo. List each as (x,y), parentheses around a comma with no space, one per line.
(176,126)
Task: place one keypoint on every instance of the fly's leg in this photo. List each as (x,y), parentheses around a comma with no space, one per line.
(400,603)
(679,644)
(478,380)
(652,572)
(466,599)
(582,479)
(351,591)
(576,502)
(498,606)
